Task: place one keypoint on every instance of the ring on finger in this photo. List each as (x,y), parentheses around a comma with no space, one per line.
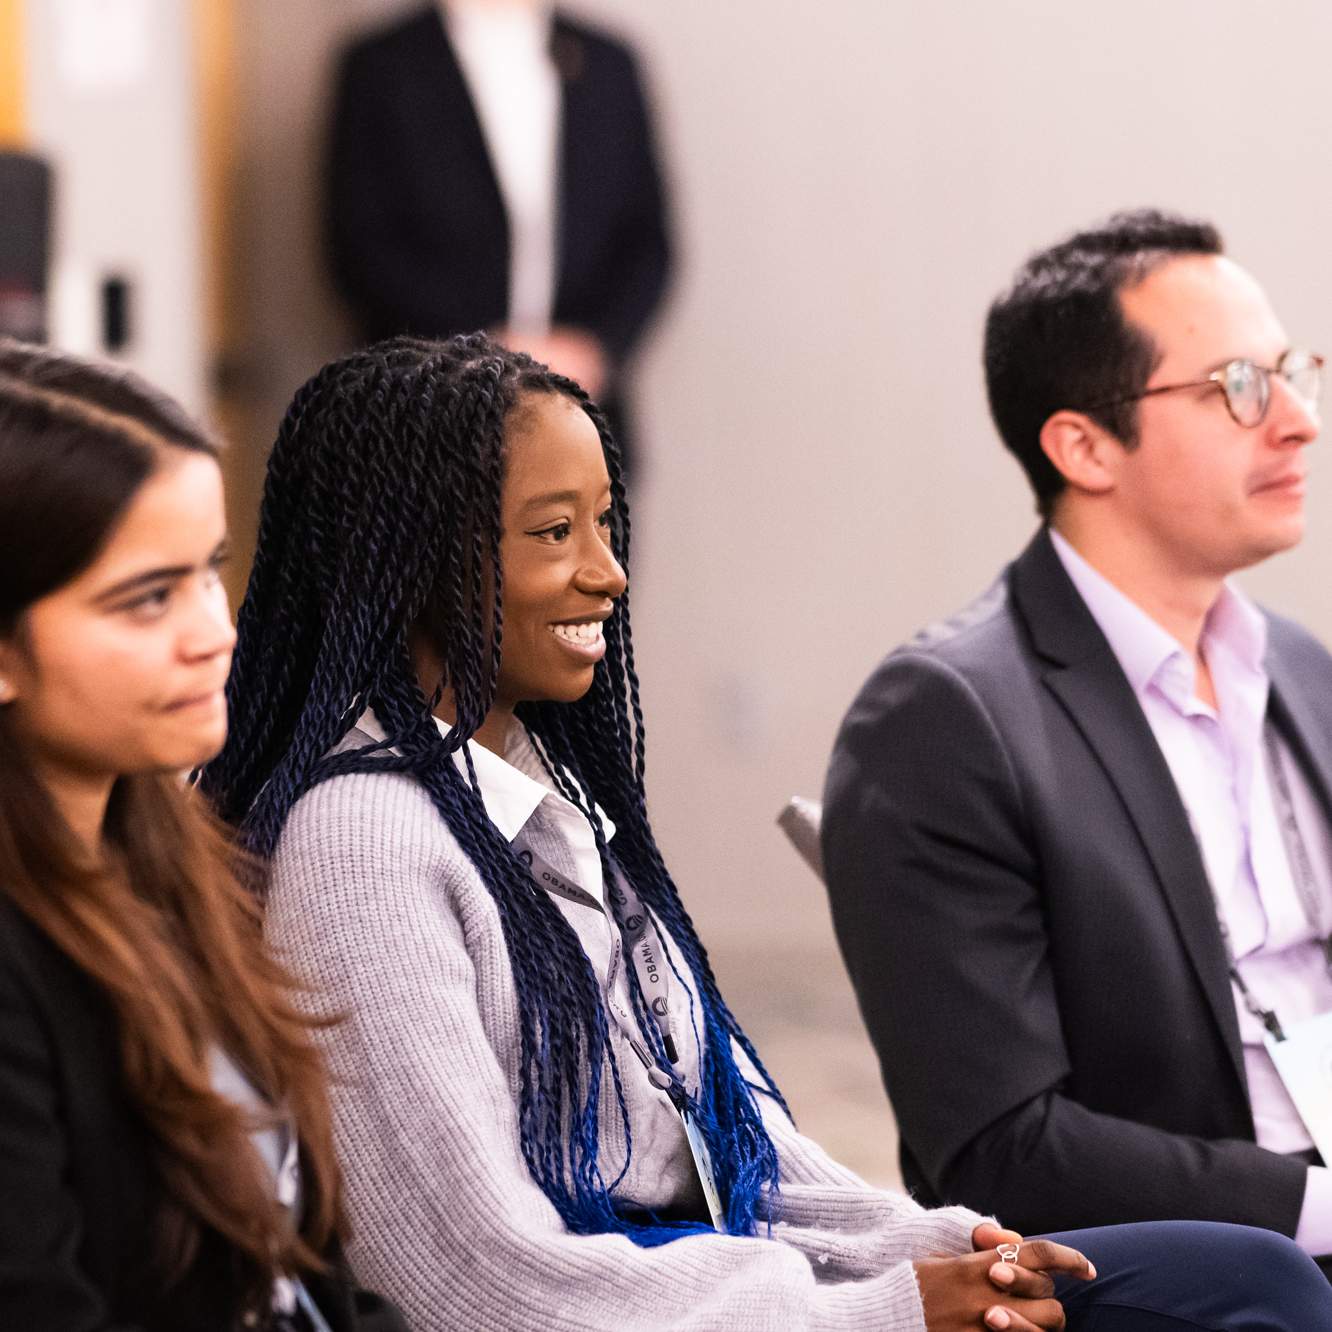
(1008,1253)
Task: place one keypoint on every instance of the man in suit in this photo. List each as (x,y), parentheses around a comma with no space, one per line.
(1077,839)
(492,167)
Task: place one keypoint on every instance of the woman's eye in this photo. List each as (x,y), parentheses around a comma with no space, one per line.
(557,532)
(151,603)
(605,519)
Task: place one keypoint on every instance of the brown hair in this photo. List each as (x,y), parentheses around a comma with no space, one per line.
(164,926)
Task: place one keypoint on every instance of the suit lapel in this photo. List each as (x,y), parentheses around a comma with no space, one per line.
(1083,674)
(1307,737)
(445,117)
(580,151)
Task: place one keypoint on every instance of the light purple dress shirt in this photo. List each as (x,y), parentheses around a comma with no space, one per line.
(1217,759)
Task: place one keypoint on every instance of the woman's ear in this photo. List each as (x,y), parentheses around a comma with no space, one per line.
(1081,451)
(10,663)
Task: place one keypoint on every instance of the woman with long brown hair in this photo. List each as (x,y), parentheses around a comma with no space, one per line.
(166,1159)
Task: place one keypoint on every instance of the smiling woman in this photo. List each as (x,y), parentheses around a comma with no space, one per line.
(150,1064)
(561,577)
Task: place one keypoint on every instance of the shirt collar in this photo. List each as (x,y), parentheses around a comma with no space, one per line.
(510,794)
(1146,652)
(525,22)
(1140,644)
(1236,625)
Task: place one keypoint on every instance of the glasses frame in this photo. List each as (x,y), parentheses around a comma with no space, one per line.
(1218,377)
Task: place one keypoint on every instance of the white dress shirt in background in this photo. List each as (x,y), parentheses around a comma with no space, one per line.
(504,51)
(1220,769)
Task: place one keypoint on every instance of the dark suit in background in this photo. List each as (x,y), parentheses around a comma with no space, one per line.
(1026,917)
(419,234)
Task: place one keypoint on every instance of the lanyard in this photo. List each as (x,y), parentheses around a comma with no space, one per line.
(1301,873)
(289,1293)
(633,930)
(645,947)
(300,1298)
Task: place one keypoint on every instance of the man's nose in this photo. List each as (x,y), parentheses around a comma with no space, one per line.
(1297,419)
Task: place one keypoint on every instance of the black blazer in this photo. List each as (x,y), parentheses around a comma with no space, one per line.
(419,235)
(76,1183)
(1026,918)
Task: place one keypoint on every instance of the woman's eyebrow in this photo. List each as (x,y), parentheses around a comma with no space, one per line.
(142,579)
(554,497)
(157,575)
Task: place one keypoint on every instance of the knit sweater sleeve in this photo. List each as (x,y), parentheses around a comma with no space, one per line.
(848,1228)
(375,908)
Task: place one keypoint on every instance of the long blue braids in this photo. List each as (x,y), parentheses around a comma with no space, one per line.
(382,500)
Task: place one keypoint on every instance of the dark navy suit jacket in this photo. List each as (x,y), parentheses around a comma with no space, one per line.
(1026,918)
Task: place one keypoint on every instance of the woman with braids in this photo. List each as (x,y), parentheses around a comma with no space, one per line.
(547,1116)
(166,1157)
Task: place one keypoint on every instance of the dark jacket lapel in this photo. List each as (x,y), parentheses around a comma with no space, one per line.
(1289,706)
(445,118)
(1082,672)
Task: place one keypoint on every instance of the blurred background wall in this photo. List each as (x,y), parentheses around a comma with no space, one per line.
(852,181)
(109,100)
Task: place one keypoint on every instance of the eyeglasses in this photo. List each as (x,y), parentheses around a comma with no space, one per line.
(1247,386)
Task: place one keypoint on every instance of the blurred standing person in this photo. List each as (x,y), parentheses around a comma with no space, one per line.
(492,167)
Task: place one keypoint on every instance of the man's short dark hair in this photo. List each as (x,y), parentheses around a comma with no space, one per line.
(1057,338)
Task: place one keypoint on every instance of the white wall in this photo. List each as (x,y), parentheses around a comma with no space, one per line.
(854,180)
(110,101)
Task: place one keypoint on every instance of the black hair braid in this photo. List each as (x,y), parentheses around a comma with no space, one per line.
(383,504)
(276,542)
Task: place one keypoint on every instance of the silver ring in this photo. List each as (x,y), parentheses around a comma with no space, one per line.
(1008,1253)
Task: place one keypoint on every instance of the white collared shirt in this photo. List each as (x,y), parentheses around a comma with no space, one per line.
(504,52)
(512,787)
(1216,758)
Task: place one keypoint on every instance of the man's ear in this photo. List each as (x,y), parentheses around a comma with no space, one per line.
(1081,451)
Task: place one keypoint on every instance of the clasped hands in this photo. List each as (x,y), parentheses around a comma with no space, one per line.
(959,1293)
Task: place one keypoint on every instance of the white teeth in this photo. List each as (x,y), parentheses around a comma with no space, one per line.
(585,635)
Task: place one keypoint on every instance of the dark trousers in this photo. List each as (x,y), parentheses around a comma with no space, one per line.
(1175,1276)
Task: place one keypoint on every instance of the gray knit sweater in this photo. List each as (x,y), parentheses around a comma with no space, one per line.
(376,906)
